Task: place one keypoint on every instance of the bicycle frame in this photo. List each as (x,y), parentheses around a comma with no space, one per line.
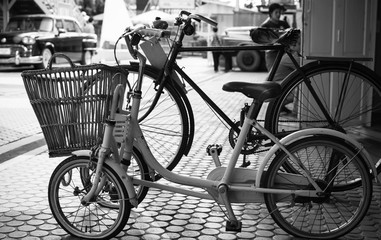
(169,68)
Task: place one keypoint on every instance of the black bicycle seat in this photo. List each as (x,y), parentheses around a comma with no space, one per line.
(260,91)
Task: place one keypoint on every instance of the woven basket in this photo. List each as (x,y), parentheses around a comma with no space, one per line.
(71,103)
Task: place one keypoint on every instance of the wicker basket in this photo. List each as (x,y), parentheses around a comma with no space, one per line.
(71,103)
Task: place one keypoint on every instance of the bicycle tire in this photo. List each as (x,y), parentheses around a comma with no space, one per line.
(327,216)
(305,113)
(80,220)
(166,127)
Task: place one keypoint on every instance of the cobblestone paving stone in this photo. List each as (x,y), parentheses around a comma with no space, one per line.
(25,213)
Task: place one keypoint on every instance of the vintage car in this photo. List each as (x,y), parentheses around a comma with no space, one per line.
(32,39)
(247,60)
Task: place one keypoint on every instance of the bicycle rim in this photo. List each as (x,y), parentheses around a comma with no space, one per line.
(166,127)
(350,100)
(67,187)
(332,214)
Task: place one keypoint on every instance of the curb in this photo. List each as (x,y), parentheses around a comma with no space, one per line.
(19,147)
(24,157)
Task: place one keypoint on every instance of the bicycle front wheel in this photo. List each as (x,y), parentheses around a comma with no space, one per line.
(166,126)
(104,217)
(336,210)
(349,96)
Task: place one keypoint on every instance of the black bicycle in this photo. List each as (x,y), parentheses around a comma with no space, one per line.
(332,92)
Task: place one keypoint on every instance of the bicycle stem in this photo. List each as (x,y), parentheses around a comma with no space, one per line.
(136,96)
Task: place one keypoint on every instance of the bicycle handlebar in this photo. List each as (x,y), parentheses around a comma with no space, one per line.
(148,32)
(153,32)
(143,31)
(160,33)
(199,18)
(205,19)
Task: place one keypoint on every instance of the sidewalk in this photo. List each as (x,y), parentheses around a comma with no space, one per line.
(25,212)
(18,125)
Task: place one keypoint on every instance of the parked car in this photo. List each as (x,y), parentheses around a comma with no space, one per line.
(32,39)
(247,60)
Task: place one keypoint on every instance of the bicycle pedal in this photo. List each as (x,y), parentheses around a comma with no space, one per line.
(235,226)
(213,149)
(245,164)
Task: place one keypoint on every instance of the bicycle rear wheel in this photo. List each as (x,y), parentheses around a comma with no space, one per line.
(350,98)
(166,126)
(96,220)
(331,214)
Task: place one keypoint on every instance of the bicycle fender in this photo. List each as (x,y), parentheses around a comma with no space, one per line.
(119,170)
(310,132)
(82,153)
(126,180)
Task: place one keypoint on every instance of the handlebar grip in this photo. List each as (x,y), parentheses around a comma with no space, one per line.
(199,17)
(150,32)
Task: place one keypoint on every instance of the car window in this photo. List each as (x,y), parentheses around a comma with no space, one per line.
(30,24)
(46,25)
(22,24)
(13,26)
(59,24)
(71,26)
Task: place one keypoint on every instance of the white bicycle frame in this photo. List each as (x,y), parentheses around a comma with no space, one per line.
(223,186)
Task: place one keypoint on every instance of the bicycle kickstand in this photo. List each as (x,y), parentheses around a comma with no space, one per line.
(243,113)
(245,163)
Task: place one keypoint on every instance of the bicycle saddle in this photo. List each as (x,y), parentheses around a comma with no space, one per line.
(260,91)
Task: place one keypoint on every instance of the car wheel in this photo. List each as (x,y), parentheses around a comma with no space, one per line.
(87,58)
(248,61)
(46,55)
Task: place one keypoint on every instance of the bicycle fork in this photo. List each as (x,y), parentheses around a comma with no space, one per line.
(104,155)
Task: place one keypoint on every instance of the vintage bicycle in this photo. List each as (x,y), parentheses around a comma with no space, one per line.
(315,182)
(333,92)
